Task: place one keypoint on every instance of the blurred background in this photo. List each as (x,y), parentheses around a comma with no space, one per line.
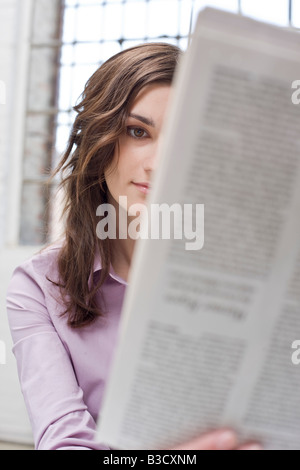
(48,50)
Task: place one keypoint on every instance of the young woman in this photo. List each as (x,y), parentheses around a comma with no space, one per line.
(64,304)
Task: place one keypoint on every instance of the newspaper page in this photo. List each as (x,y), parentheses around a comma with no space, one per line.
(206,333)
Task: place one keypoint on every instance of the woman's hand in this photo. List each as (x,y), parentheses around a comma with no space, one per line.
(217,440)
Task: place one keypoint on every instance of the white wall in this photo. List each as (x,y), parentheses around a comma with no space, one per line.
(14,38)
(8,23)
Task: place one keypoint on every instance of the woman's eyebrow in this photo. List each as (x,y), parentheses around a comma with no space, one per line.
(147,121)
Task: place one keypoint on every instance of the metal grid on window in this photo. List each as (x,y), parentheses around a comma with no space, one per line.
(94,30)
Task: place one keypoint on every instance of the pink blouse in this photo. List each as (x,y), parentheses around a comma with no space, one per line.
(62,371)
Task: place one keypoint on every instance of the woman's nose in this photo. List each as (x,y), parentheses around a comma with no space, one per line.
(151,160)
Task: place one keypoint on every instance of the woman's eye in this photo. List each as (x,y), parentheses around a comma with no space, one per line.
(137,132)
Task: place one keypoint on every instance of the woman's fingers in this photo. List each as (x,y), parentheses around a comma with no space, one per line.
(217,440)
(250,447)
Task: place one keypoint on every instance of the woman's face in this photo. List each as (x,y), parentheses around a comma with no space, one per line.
(133,166)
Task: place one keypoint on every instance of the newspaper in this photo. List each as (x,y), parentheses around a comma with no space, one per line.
(205,338)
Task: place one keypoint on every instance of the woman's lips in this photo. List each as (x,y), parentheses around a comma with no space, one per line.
(143,187)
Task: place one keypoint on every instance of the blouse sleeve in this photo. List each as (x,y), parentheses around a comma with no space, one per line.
(59,417)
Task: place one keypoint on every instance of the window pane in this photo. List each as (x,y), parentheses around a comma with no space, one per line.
(108,49)
(62,137)
(135,19)
(131,43)
(80,76)
(267,10)
(89,23)
(183,43)
(296,13)
(163,18)
(71,3)
(228,5)
(69,25)
(65,87)
(87,53)
(113,20)
(67,55)
(185,17)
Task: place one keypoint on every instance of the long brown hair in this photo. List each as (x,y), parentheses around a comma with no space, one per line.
(100,122)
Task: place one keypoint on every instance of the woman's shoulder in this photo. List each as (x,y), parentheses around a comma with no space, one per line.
(43,264)
(29,286)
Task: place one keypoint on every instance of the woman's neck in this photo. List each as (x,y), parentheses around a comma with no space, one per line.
(122,253)
(121,248)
